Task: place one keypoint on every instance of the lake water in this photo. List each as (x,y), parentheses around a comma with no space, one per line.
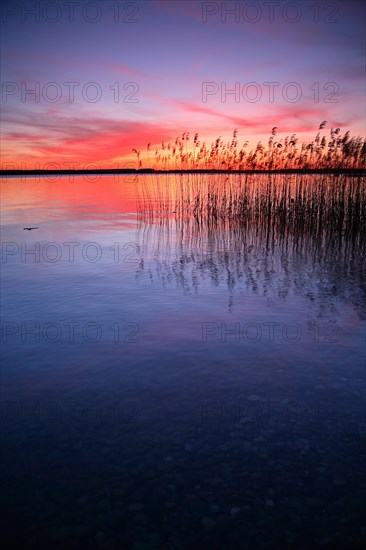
(175,381)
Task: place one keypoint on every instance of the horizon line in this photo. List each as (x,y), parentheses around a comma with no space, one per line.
(353,171)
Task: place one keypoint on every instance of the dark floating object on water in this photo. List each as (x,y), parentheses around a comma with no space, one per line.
(30,228)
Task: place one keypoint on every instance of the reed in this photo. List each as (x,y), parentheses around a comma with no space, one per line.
(335,151)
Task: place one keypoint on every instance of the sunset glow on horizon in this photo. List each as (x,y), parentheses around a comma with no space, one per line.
(89,84)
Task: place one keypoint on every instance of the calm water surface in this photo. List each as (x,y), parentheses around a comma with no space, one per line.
(173,384)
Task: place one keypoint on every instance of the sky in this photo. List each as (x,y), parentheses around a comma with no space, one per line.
(83,82)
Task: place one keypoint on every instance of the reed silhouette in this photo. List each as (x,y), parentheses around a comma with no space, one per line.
(336,151)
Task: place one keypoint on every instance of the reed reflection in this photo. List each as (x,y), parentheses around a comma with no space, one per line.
(269,236)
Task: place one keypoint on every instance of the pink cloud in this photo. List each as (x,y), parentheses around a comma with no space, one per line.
(124,69)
